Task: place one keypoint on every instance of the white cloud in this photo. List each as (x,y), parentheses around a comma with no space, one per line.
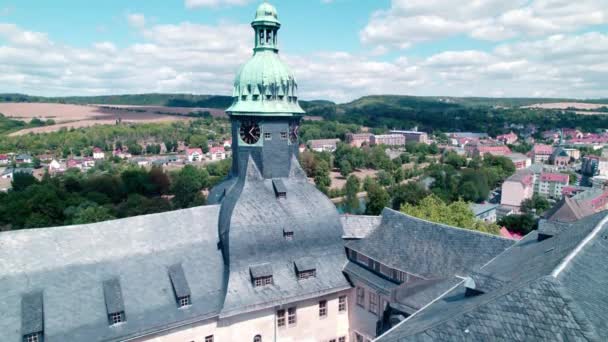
(214,3)
(203,59)
(136,20)
(408,22)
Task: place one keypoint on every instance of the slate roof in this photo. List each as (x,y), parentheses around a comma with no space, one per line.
(548,290)
(69,265)
(358,226)
(569,210)
(252,225)
(428,249)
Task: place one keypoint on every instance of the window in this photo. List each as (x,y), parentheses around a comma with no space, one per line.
(267,136)
(117,317)
(209,338)
(323,308)
(332,340)
(257,338)
(263,281)
(342,339)
(256,97)
(283,135)
(341,303)
(288,235)
(373,303)
(183,301)
(291,316)
(307,274)
(361,297)
(35,337)
(281,318)
(358,338)
(244,98)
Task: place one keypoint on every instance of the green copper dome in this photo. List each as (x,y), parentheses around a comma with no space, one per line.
(267,13)
(265,85)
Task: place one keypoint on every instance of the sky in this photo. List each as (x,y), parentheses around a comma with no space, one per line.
(339,49)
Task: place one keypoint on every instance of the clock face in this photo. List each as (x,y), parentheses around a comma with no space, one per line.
(293,133)
(250,132)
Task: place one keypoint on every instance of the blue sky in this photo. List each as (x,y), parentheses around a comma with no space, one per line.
(339,49)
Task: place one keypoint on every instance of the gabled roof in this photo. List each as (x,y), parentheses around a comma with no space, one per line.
(569,210)
(69,265)
(427,249)
(547,290)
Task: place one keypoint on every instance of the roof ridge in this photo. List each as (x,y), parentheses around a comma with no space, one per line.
(579,247)
(443,225)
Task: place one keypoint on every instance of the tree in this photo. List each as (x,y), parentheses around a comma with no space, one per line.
(537,204)
(135,148)
(92,214)
(186,188)
(377,199)
(322,179)
(199,140)
(36,164)
(521,224)
(22,180)
(160,179)
(457,214)
(352,189)
(345,168)
(411,193)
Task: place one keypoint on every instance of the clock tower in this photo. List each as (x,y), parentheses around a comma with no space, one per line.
(265,113)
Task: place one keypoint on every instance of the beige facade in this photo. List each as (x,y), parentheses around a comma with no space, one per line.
(309,325)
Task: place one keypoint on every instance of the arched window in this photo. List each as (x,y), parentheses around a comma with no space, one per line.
(257,338)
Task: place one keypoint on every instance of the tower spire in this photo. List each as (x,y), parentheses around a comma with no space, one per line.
(266,25)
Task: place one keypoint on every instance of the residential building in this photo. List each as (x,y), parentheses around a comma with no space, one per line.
(122,153)
(23,159)
(194,154)
(4,160)
(217,153)
(551,184)
(358,139)
(517,188)
(388,139)
(559,158)
(10,172)
(413,136)
(98,153)
(510,138)
(485,212)
(140,161)
(541,153)
(55,167)
(573,153)
(494,150)
(324,145)
(521,161)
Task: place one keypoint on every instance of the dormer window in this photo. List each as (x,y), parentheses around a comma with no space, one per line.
(288,235)
(305,268)
(244,98)
(181,289)
(261,275)
(256,97)
(35,337)
(117,317)
(183,301)
(283,135)
(32,317)
(114,303)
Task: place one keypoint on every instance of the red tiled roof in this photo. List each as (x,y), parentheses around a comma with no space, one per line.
(3,157)
(217,149)
(97,150)
(194,150)
(542,149)
(501,149)
(555,177)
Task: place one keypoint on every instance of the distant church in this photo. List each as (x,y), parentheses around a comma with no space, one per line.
(270,259)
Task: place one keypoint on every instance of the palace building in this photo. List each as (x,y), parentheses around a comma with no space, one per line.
(271,259)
